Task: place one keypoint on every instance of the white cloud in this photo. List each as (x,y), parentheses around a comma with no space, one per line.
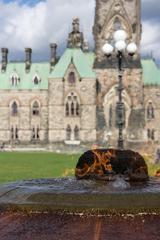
(25,26)
(151,38)
(50,21)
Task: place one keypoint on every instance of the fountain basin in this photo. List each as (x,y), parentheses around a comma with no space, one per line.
(69,194)
(67,208)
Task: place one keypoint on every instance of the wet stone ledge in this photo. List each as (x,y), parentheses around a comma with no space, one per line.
(71,195)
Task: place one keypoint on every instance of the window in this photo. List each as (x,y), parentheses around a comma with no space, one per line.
(110,116)
(35,109)
(71,78)
(72,106)
(150,111)
(14,109)
(67,109)
(15,79)
(117,24)
(151,134)
(36,80)
(76,133)
(35,133)
(68,132)
(14,133)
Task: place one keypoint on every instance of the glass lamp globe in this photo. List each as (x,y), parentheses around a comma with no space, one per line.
(132,48)
(120,45)
(107,49)
(120,35)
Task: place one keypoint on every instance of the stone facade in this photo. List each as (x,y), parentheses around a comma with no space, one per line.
(72,100)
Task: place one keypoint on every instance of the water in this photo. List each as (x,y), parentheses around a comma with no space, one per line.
(71,185)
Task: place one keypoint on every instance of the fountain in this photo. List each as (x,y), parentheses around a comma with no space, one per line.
(106,163)
(93,206)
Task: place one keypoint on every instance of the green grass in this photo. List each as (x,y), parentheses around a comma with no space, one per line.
(17,166)
(152,168)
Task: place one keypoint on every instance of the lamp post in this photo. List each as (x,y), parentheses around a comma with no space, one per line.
(120,46)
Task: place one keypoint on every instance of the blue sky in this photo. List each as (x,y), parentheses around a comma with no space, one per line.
(35,23)
(29,2)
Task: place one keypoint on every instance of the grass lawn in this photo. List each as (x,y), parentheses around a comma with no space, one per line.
(17,166)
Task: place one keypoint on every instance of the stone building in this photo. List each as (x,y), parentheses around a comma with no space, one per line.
(71,101)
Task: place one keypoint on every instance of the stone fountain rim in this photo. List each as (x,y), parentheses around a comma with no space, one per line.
(14,198)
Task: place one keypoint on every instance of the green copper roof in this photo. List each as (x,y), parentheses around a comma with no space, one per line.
(151,72)
(82,62)
(26,79)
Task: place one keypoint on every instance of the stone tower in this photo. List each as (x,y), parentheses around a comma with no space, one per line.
(112,15)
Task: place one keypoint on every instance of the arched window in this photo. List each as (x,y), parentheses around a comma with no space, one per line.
(77,109)
(76,133)
(14,109)
(35,109)
(150,111)
(71,77)
(68,132)
(117,24)
(72,106)
(15,79)
(67,109)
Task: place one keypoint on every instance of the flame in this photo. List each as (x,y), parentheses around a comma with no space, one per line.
(100,164)
(103,159)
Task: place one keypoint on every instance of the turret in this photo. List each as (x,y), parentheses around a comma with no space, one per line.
(75,38)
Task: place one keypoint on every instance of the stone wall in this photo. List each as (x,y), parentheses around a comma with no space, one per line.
(107,95)
(107,12)
(152,95)
(24,119)
(85,90)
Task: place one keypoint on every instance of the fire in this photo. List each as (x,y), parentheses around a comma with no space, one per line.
(99,163)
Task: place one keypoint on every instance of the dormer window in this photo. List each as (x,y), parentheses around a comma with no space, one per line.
(15,79)
(36,79)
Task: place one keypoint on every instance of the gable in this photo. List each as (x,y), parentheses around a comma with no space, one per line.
(80,61)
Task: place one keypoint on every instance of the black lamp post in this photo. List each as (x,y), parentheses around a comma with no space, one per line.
(120,46)
(120,108)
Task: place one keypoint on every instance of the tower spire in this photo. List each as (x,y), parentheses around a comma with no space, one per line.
(75,38)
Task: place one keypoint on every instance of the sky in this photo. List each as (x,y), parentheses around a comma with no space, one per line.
(36,23)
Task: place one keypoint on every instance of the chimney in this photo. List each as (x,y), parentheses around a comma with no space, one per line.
(4,58)
(53,47)
(85,46)
(28,59)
